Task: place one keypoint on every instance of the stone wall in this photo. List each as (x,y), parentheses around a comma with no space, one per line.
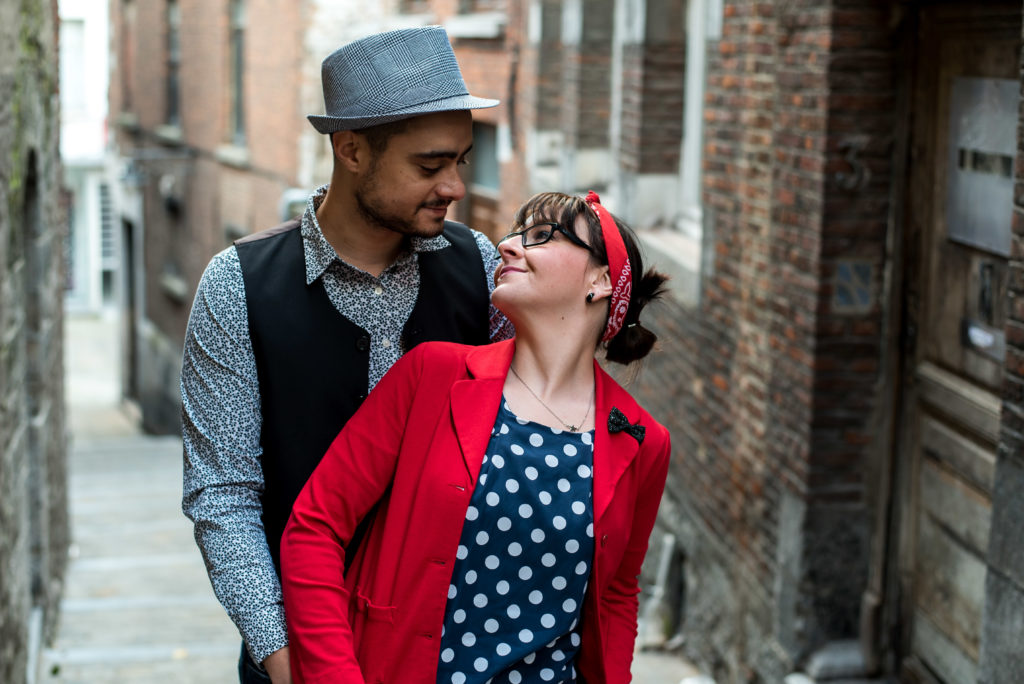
(33,496)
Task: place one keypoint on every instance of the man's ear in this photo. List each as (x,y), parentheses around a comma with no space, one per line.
(350,150)
(601,283)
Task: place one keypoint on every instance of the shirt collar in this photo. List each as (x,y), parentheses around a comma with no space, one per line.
(319,252)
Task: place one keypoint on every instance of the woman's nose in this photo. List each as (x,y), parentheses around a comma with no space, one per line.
(507,246)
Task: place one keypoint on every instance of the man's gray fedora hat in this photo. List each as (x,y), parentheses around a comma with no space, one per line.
(392,76)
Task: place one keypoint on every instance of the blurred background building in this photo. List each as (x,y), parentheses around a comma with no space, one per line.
(836,187)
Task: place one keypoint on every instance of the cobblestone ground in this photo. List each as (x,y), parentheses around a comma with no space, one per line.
(138,607)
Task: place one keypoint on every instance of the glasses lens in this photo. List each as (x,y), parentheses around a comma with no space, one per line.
(539,233)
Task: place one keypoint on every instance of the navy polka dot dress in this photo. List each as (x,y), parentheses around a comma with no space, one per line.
(523,561)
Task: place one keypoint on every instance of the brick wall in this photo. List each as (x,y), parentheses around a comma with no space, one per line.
(847,439)
(1001,659)
(737,488)
(549,101)
(487,67)
(586,78)
(652,98)
(33,497)
(770,387)
(529,102)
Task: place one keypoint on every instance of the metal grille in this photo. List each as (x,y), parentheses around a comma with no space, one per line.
(108,248)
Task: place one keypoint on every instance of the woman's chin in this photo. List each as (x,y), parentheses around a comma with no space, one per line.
(506,300)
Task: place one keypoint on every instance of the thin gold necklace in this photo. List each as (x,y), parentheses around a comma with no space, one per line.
(568,426)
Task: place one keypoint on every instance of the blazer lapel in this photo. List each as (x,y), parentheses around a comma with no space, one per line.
(475,401)
(612,452)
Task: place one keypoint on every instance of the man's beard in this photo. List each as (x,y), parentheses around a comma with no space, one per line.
(372,210)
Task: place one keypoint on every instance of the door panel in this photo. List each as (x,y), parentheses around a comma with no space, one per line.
(959,203)
(972,462)
(931,645)
(950,585)
(956,506)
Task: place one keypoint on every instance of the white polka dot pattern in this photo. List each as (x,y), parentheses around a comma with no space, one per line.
(523,561)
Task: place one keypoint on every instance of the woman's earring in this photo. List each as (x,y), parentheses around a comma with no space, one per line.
(590,297)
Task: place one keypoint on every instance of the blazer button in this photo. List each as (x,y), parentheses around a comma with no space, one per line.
(604,538)
(363,343)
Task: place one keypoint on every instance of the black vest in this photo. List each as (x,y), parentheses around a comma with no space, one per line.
(313,363)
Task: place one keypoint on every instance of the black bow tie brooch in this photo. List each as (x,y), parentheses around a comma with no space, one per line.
(617,422)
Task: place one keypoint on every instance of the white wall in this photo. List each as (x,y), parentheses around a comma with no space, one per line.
(84,74)
(83,124)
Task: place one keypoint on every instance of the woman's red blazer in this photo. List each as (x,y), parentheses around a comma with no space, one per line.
(410,458)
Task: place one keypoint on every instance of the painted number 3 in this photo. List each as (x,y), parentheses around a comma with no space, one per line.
(857,175)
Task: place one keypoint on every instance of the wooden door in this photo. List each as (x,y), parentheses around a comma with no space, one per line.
(963,132)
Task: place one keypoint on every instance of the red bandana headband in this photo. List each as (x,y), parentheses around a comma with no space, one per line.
(618,268)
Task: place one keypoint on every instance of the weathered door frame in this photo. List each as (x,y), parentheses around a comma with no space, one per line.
(886,607)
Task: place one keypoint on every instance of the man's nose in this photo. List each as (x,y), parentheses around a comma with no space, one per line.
(452,187)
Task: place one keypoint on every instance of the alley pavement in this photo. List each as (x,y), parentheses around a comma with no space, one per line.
(137,605)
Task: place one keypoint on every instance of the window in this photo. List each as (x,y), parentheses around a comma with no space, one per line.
(69,241)
(72,67)
(173,116)
(414,6)
(703,27)
(108,250)
(471,6)
(127,53)
(484,157)
(236,125)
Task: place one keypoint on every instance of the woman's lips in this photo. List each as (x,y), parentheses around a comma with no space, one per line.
(502,270)
(500,273)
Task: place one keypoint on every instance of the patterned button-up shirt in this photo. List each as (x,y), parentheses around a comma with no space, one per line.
(223,476)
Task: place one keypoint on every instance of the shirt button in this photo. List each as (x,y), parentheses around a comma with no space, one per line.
(363,343)
(378,290)
(385,343)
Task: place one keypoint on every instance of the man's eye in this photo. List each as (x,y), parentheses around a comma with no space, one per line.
(430,170)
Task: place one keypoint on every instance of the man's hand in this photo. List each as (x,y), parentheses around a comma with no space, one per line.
(276,665)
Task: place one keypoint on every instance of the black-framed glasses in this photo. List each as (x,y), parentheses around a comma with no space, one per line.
(542,232)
